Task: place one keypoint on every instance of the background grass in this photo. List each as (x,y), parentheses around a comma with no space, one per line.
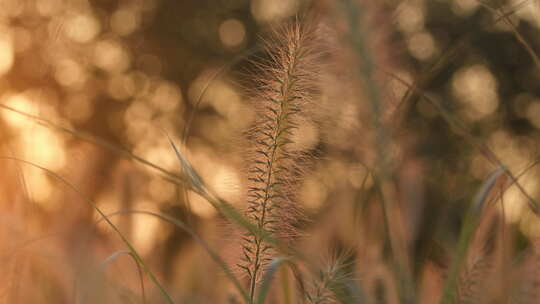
(122,141)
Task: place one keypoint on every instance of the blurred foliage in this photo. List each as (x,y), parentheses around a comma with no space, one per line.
(128,71)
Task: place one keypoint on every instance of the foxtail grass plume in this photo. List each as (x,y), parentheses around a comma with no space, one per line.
(285,86)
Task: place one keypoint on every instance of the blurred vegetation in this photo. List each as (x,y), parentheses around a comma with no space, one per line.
(89,88)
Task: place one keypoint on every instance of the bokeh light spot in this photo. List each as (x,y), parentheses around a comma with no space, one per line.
(464,7)
(225,182)
(6,54)
(421,45)
(48,7)
(313,193)
(43,147)
(70,74)
(19,102)
(232,33)
(410,16)
(82,28)
(476,88)
(272,10)
(200,206)
(167,96)
(40,188)
(533,114)
(111,56)
(305,137)
(145,228)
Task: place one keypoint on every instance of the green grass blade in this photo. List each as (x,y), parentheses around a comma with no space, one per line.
(467,233)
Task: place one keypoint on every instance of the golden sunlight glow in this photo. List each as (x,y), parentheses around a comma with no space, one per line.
(304,138)
(43,147)
(111,56)
(82,28)
(508,149)
(348,116)
(145,228)
(22,103)
(528,11)
(138,130)
(160,154)
(476,88)
(410,16)
(167,96)
(69,73)
(339,171)
(200,206)
(48,7)
(226,183)
(223,97)
(36,144)
(514,200)
(513,155)
(232,33)
(218,92)
(421,45)
(138,110)
(529,224)
(137,118)
(140,81)
(465,7)
(6,53)
(313,193)
(40,188)
(271,10)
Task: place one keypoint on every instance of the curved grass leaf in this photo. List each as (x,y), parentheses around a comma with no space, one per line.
(467,233)
(115,256)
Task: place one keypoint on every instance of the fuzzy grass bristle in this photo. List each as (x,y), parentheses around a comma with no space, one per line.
(286,83)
